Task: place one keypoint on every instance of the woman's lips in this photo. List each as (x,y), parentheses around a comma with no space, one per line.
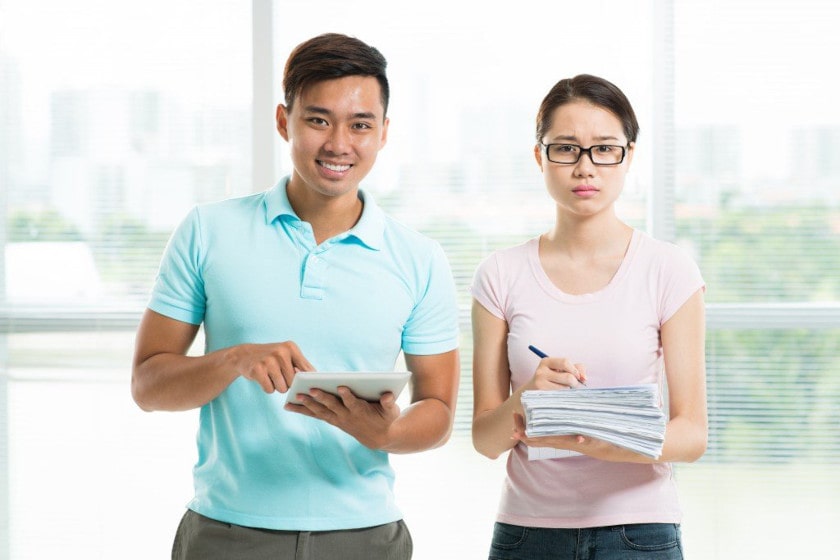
(585,191)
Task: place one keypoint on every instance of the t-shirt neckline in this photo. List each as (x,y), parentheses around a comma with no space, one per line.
(548,286)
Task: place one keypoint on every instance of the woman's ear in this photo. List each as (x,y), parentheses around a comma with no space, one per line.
(630,151)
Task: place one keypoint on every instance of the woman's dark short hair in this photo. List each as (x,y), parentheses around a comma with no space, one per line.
(331,56)
(595,90)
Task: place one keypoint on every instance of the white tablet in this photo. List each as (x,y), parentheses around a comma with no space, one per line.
(368,385)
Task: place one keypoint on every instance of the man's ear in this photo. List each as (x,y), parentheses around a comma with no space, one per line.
(282,118)
(384,138)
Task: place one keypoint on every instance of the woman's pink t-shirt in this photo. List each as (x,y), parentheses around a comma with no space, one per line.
(614,332)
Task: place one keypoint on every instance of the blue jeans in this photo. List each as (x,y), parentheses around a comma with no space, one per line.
(648,541)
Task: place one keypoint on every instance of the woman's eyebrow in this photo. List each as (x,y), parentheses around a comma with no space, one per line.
(573,138)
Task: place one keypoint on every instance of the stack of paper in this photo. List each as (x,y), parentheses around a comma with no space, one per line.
(628,417)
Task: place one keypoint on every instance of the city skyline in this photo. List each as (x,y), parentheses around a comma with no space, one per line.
(743,76)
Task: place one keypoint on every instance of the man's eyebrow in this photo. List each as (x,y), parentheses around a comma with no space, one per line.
(316,109)
(324,111)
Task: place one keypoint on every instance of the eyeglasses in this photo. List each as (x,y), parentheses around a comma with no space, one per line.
(602,154)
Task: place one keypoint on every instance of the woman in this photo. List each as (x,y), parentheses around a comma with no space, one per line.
(610,306)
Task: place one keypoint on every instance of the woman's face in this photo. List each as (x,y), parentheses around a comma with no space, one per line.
(584,188)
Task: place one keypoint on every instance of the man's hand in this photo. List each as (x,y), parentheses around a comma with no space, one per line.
(164,377)
(424,424)
(272,366)
(368,422)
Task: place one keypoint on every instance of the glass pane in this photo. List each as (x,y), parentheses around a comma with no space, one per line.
(773,396)
(774,447)
(757,202)
(94,468)
(758,133)
(116,119)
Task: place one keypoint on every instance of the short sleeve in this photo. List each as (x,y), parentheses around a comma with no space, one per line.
(680,278)
(486,285)
(178,291)
(432,327)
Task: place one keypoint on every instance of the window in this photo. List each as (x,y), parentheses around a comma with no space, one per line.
(757,201)
(114,120)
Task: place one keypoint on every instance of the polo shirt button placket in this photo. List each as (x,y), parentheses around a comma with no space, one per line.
(313,277)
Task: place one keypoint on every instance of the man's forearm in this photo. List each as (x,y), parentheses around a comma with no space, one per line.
(424,425)
(173,382)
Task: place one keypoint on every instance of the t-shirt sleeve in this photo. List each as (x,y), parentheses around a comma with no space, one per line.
(178,291)
(432,327)
(681,278)
(486,284)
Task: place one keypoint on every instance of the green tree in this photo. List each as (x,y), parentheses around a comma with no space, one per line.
(127,252)
(47,225)
(768,389)
(768,255)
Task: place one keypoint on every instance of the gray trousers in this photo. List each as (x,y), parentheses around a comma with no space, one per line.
(202,538)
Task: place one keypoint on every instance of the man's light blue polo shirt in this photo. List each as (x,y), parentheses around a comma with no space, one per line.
(250,270)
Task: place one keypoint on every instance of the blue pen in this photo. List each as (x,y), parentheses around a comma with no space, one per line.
(537,351)
(542,354)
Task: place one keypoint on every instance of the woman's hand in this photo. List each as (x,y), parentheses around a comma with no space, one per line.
(556,373)
(557,442)
(593,447)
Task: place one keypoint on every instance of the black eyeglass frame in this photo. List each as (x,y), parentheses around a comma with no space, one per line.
(583,150)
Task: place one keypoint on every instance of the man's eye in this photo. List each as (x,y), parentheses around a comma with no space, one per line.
(362,126)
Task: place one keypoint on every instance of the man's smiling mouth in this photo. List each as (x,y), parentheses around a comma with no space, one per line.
(334,167)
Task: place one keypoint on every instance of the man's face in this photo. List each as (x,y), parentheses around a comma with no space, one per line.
(335,131)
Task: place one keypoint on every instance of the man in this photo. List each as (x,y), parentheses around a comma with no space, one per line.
(308,276)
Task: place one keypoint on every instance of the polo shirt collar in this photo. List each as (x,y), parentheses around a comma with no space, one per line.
(369,230)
